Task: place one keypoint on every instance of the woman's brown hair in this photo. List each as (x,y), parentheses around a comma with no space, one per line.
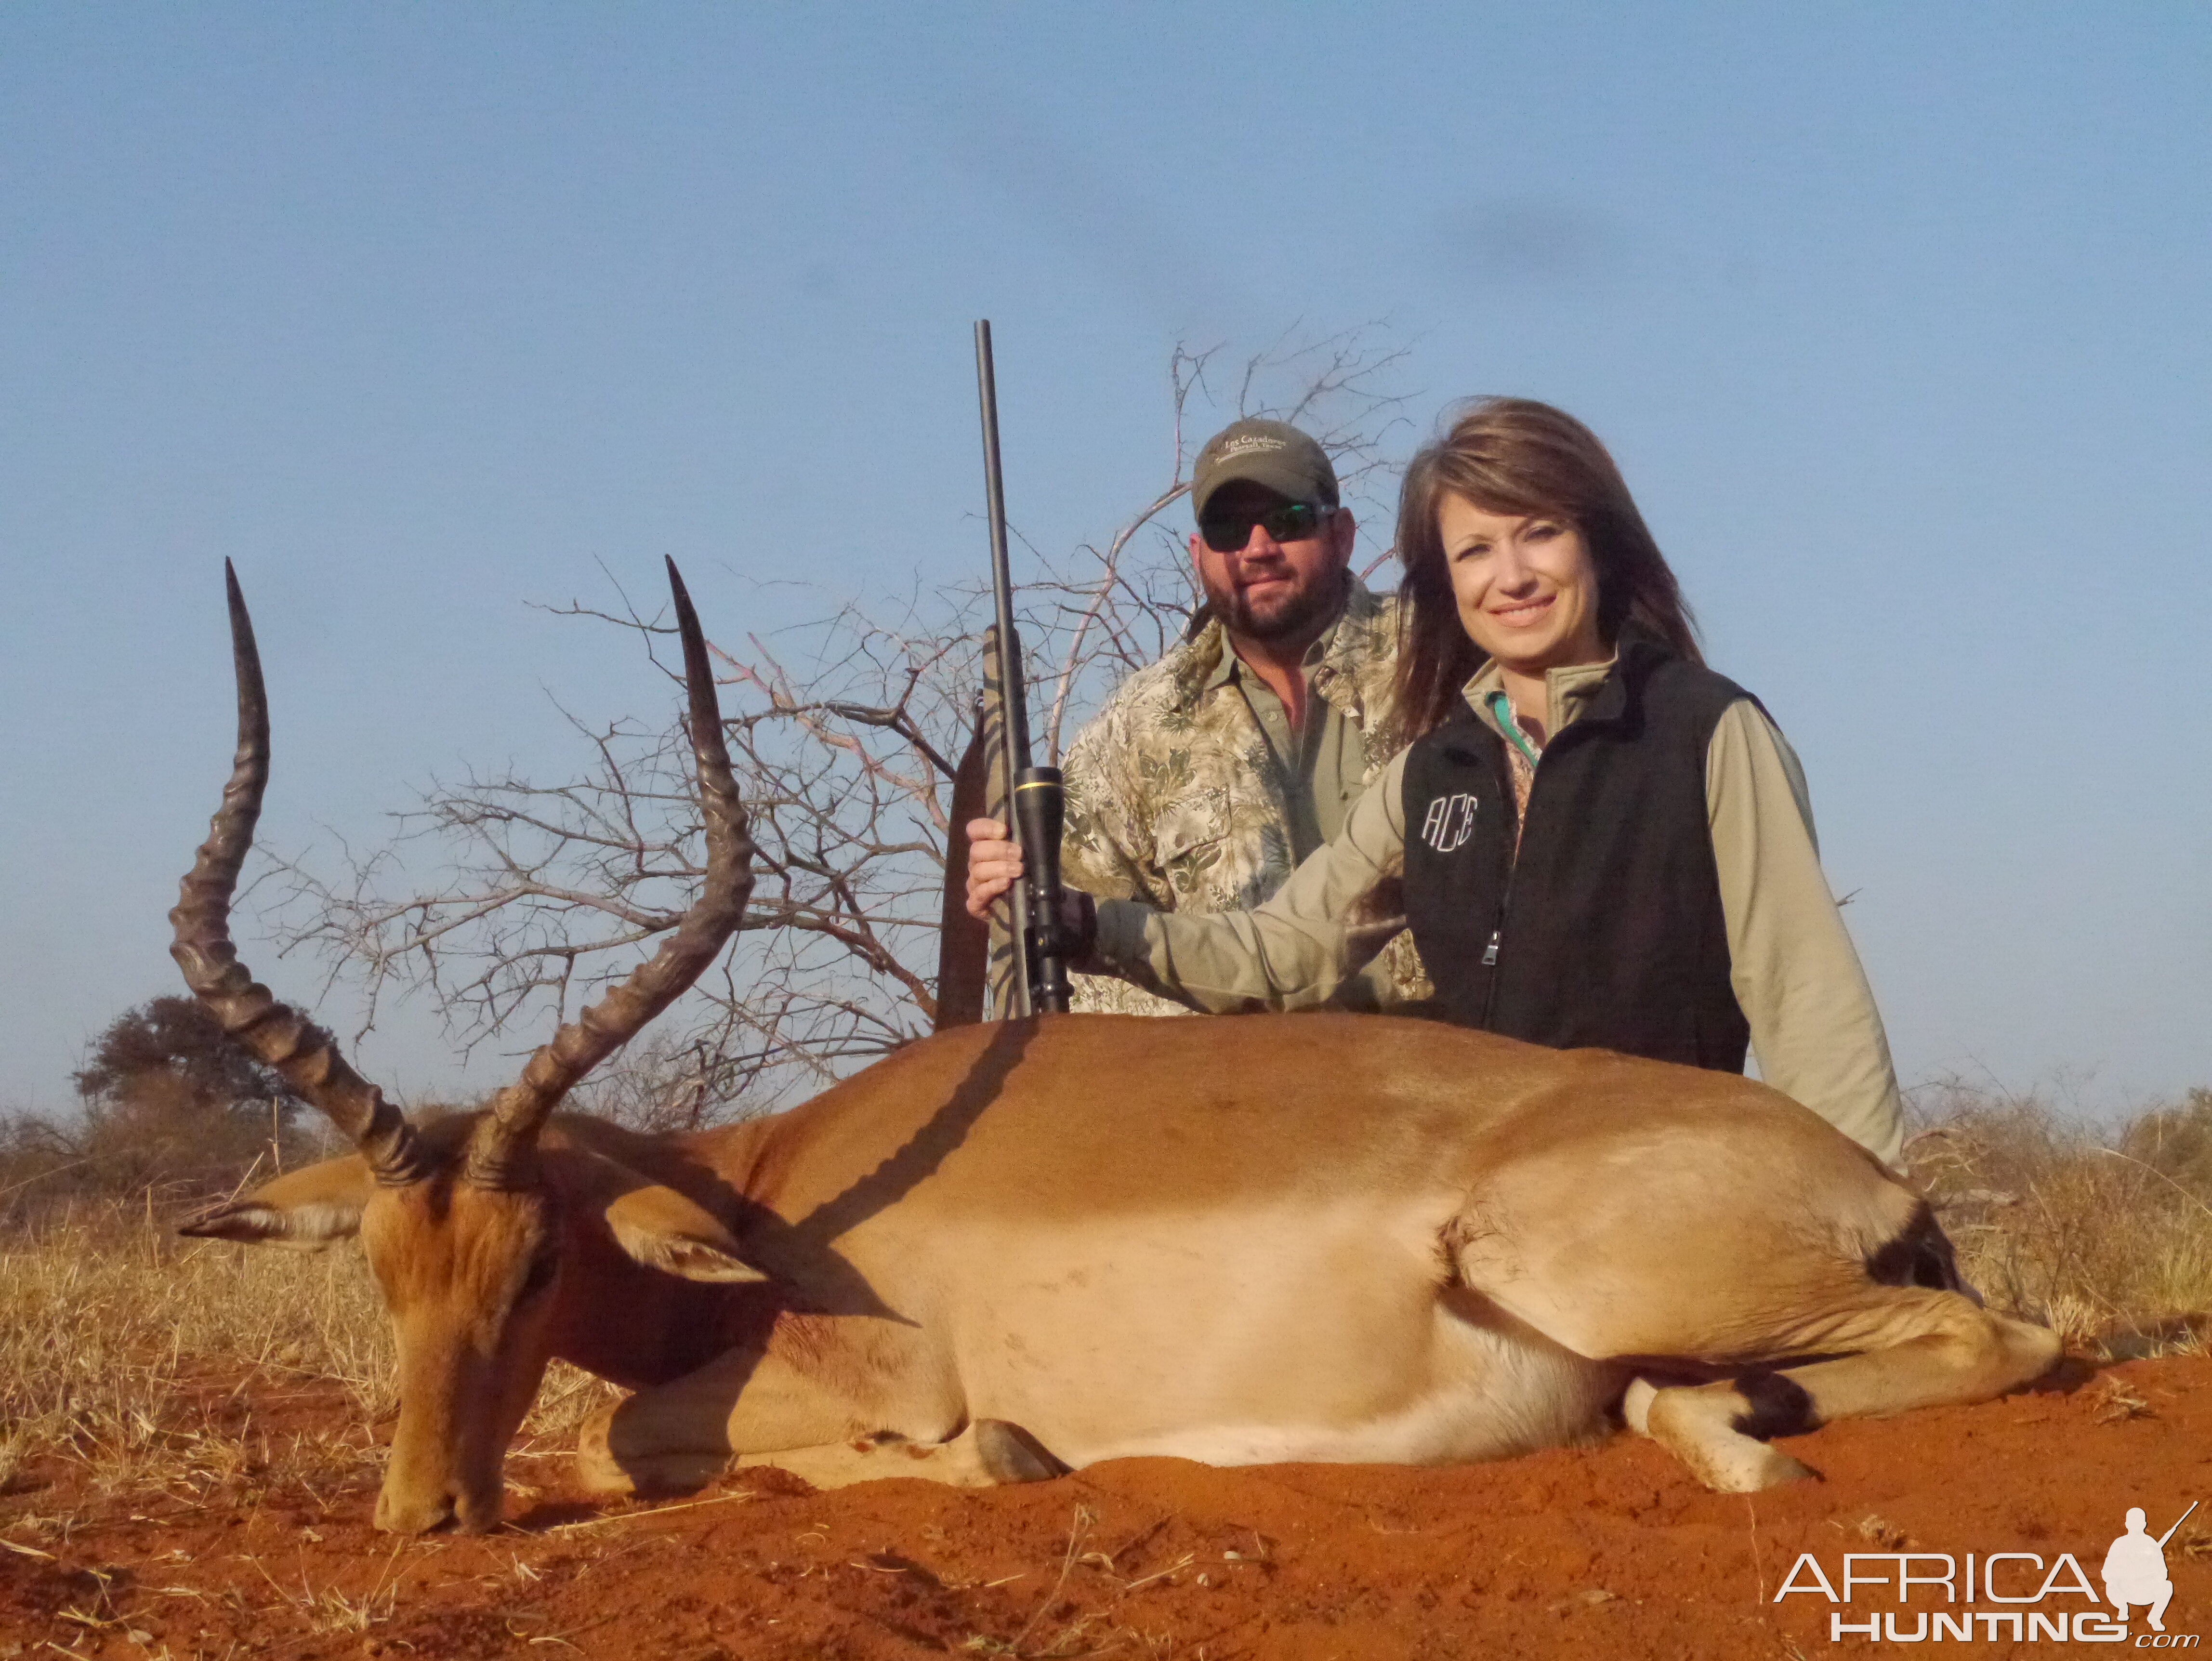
(1514,455)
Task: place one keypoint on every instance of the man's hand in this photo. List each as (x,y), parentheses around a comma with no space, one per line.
(994,865)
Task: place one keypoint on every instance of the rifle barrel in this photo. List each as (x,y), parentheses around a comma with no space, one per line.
(1015,723)
(2178,1522)
(1034,803)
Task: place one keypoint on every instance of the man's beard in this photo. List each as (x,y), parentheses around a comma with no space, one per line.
(1283,612)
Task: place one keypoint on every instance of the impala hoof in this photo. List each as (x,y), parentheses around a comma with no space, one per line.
(1011,1454)
(1748,1470)
(1698,1425)
(1636,1405)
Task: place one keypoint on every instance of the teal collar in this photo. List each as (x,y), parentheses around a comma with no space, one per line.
(1501,708)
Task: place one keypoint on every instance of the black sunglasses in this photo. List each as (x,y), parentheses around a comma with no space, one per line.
(1292,522)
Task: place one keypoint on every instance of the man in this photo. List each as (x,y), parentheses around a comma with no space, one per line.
(1210,775)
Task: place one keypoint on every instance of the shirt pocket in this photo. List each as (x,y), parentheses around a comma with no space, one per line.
(1189,846)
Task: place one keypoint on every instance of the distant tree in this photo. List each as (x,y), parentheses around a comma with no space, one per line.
(171,1109)
(171,1054)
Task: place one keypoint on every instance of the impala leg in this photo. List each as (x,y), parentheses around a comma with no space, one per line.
(755,1407)
(676,1437)
(990,1453)
(1933,1349)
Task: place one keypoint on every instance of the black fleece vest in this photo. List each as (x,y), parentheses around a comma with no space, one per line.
(1607,930)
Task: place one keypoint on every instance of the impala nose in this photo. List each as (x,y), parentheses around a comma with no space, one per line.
(474,1514)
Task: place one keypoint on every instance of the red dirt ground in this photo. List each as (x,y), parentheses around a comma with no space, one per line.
(1608,1551)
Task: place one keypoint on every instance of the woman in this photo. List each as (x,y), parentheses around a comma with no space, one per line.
(1594,839)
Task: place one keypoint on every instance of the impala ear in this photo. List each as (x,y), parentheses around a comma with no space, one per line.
(661,1229)
(309,1209)
(653,1223)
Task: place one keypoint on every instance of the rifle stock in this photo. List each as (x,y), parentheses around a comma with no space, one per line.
(963,945)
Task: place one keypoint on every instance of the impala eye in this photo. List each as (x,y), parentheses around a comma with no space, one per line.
(540,1276)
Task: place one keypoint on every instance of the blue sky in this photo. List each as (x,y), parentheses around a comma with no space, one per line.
(1894,315)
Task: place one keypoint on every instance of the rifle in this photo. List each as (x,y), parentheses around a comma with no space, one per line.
(1040,983)
(2178,1522)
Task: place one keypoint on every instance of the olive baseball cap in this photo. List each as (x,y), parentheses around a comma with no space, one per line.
(1272,453)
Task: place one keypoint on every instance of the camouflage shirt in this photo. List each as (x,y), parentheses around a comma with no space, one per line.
(1175,799)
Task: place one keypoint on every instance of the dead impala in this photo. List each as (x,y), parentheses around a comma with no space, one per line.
(1010,1248)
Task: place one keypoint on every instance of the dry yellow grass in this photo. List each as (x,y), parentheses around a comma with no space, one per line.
(2106,1237)
(104,1313)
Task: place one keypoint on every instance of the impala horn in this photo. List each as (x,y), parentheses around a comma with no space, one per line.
(500,1152)
(275,1033)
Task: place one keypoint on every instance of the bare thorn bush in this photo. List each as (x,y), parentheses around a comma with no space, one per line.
(2104,1237)
(845,735)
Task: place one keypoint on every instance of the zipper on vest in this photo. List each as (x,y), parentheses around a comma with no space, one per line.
(1490,952)
(1501,709)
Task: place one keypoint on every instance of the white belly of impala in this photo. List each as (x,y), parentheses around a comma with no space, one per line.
(1314,1333)
(1507,1397)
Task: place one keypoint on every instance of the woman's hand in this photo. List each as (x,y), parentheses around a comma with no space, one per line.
(994,864)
